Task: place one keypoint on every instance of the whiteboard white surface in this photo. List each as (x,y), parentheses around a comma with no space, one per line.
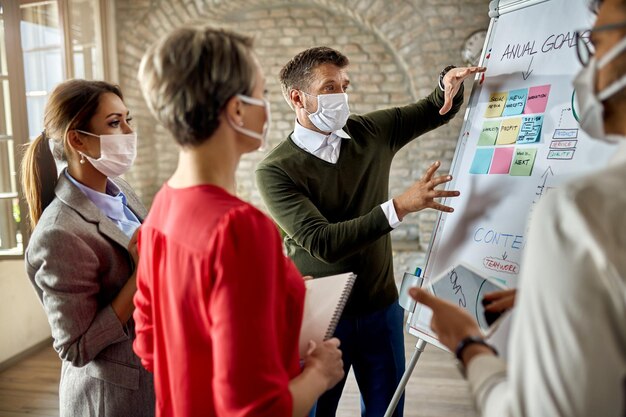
(528,48)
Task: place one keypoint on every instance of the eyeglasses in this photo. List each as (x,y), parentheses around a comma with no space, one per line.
(584,47)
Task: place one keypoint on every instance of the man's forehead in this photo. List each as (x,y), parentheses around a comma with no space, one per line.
(329,72)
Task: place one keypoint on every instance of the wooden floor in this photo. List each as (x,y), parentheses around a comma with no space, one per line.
(30,388)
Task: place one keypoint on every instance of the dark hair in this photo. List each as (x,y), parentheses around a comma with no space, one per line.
(189,75)
(71,105)
(296,74)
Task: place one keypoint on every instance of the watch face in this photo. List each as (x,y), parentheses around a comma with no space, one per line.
(473,47)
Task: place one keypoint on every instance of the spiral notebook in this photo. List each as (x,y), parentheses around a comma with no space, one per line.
(323,304)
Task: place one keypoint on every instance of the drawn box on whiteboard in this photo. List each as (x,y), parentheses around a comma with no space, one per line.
(563,144)
(565,134)
(561,154)
(461,285)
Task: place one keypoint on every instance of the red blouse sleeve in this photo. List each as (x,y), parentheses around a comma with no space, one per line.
(144,335)
(250,377)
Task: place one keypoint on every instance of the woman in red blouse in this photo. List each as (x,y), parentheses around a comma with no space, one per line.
(218,305)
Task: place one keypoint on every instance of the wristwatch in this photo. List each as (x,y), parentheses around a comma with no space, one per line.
(470,340)
(443,74)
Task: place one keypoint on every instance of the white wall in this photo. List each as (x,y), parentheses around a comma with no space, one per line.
(23,323)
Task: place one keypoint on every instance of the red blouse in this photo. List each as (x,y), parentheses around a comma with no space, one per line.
(218,307)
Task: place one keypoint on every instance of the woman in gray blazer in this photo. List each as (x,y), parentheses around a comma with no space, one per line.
(82,254)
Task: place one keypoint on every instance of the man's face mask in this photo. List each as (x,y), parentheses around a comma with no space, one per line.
(590,106)
(117,153)
(332,111)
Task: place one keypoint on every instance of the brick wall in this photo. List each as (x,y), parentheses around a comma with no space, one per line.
(396,48)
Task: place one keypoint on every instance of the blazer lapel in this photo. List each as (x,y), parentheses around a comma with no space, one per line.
(70,195)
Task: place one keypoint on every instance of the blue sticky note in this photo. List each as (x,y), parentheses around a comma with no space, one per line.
(530,131)
(482,160)
(515,102)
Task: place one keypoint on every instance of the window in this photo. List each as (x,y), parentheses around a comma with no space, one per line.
(42,43)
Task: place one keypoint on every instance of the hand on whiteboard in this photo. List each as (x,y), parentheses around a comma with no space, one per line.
(422,194)
(452,82)
(324,359)
(451,323)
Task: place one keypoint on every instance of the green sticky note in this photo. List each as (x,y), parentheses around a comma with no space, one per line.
(489,133)
(523,162)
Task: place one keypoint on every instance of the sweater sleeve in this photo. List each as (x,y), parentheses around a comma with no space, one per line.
(397,126)
(296,214)
(69,290)
(249,377)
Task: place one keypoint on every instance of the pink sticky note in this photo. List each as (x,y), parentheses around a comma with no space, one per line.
(502,158)
(537,99)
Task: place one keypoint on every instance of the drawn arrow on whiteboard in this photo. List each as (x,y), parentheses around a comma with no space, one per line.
(504,256)
(526,74)
(548,171)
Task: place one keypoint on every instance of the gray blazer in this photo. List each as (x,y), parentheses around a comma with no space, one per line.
(78,261)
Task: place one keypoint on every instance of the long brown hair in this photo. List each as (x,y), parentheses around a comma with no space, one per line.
(71,105)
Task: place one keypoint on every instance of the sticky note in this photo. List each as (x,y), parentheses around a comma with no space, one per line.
(482,160)
(530,132)
(502,158)
(523,161)
(509,129)
(489,133)
(515,102)
(496,104)
(537,99)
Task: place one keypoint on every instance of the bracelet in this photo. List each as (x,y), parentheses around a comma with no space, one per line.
(470,340)
(443,74)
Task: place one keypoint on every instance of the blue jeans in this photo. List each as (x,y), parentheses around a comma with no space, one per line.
(374,345)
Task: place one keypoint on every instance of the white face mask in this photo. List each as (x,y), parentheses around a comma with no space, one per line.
(332,111)
(117,153)
(590,109)
(266,128)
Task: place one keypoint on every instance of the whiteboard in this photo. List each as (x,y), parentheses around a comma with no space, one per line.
(520,139)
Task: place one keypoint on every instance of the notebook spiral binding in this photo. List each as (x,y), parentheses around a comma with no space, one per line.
(339,310)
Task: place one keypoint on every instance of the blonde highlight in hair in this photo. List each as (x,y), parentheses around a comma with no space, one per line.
(71,105)
(188,76)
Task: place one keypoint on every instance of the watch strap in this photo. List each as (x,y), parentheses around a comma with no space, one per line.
(470,340)
(443,74)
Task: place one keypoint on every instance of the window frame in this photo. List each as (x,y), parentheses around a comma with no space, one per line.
(105,30)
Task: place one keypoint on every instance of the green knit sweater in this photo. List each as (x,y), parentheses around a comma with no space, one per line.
(331,212)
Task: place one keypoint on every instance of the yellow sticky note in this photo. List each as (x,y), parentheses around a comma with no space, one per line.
(496,104)
(509,131)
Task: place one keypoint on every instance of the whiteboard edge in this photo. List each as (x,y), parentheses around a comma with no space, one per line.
(500,7)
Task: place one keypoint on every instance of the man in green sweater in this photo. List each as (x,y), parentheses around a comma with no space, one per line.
(327,187)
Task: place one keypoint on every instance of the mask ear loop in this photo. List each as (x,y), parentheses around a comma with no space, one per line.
(602,62)
(318,103)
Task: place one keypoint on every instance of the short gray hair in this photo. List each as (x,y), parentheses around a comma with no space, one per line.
(188,76)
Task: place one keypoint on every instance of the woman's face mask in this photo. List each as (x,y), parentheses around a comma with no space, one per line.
(117,153)
(266,128)
(332,111)
(590,108)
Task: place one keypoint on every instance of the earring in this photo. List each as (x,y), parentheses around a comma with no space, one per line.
(82,159)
